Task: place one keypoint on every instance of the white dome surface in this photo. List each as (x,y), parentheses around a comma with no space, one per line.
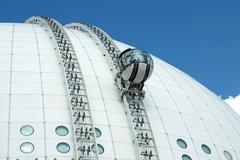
(33,93)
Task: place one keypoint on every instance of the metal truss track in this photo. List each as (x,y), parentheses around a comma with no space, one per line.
(84,130)
(143,138)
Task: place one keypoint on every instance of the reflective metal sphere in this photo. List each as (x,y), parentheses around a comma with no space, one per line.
(135,65)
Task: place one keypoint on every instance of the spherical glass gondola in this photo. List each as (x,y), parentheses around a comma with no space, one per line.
(135,65)
(45,121)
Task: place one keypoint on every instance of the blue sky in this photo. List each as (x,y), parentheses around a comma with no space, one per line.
(201,38)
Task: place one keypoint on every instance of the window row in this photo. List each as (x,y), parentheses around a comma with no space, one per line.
(182,144)
(62,147)
(27,130)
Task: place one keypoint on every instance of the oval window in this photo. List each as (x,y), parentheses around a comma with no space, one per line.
(27,147)
(228,155)
(26,130)
(63,147)
(206,149)
(97,132)
(61,131)
(99,147)
(181,143)
(186,157)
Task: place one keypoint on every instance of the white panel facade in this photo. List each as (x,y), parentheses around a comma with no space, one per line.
(33,93)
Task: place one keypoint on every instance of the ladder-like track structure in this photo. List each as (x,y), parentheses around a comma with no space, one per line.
(132,95)
(84,130)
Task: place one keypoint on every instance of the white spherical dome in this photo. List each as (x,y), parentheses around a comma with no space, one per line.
(187,120)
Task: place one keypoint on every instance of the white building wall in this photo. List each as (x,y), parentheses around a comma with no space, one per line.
(32,92)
